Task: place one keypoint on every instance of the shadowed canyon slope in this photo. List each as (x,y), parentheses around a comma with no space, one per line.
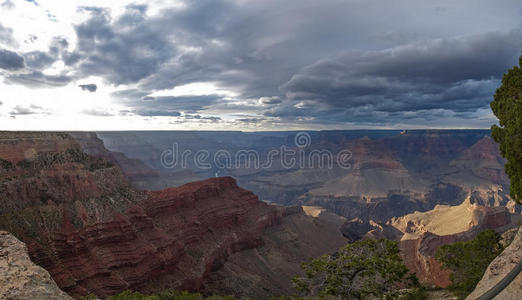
(83,223)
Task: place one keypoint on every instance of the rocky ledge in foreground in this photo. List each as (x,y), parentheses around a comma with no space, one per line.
(499,268)
(20,278)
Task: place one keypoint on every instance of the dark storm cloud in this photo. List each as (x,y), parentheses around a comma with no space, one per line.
(329,62)
(457,74)
(142,104)
(89,87)
(58,47)
(38,79)
(188,104)
(27,68)
(10,60)
(421,66)
(123,51)
(38,59)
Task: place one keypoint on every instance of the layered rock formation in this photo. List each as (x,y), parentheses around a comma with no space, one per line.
(425,232)
(174,238)
(499,268)
(95,234)
(20,278)
(266,271)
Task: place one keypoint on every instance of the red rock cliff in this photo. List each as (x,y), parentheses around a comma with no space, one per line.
(95,234)
(173,238)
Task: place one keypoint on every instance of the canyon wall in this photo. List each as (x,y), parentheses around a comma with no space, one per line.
(93,233)
(71,203)
(425,232)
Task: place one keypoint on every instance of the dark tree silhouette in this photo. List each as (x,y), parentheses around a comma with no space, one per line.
(507,106)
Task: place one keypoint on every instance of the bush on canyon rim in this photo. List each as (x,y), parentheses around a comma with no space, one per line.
(507,106)
(360,270)
(468,260)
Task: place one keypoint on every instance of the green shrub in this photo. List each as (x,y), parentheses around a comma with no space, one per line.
(360,270)
(468,260)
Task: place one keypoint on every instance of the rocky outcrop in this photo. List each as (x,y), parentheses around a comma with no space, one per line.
(50,168)
(499,268)
(83,223)
(425,232)
(20,278)
(358,229)
(174,238)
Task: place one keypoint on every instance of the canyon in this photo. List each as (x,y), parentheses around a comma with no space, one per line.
(94,233)
(102,214)
(415,170)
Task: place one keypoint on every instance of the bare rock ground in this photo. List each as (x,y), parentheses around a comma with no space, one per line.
(20,278)
(499,268)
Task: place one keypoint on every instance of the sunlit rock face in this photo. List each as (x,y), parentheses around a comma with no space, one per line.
(425,232)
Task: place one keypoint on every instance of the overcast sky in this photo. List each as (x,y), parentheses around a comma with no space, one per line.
(253,64)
